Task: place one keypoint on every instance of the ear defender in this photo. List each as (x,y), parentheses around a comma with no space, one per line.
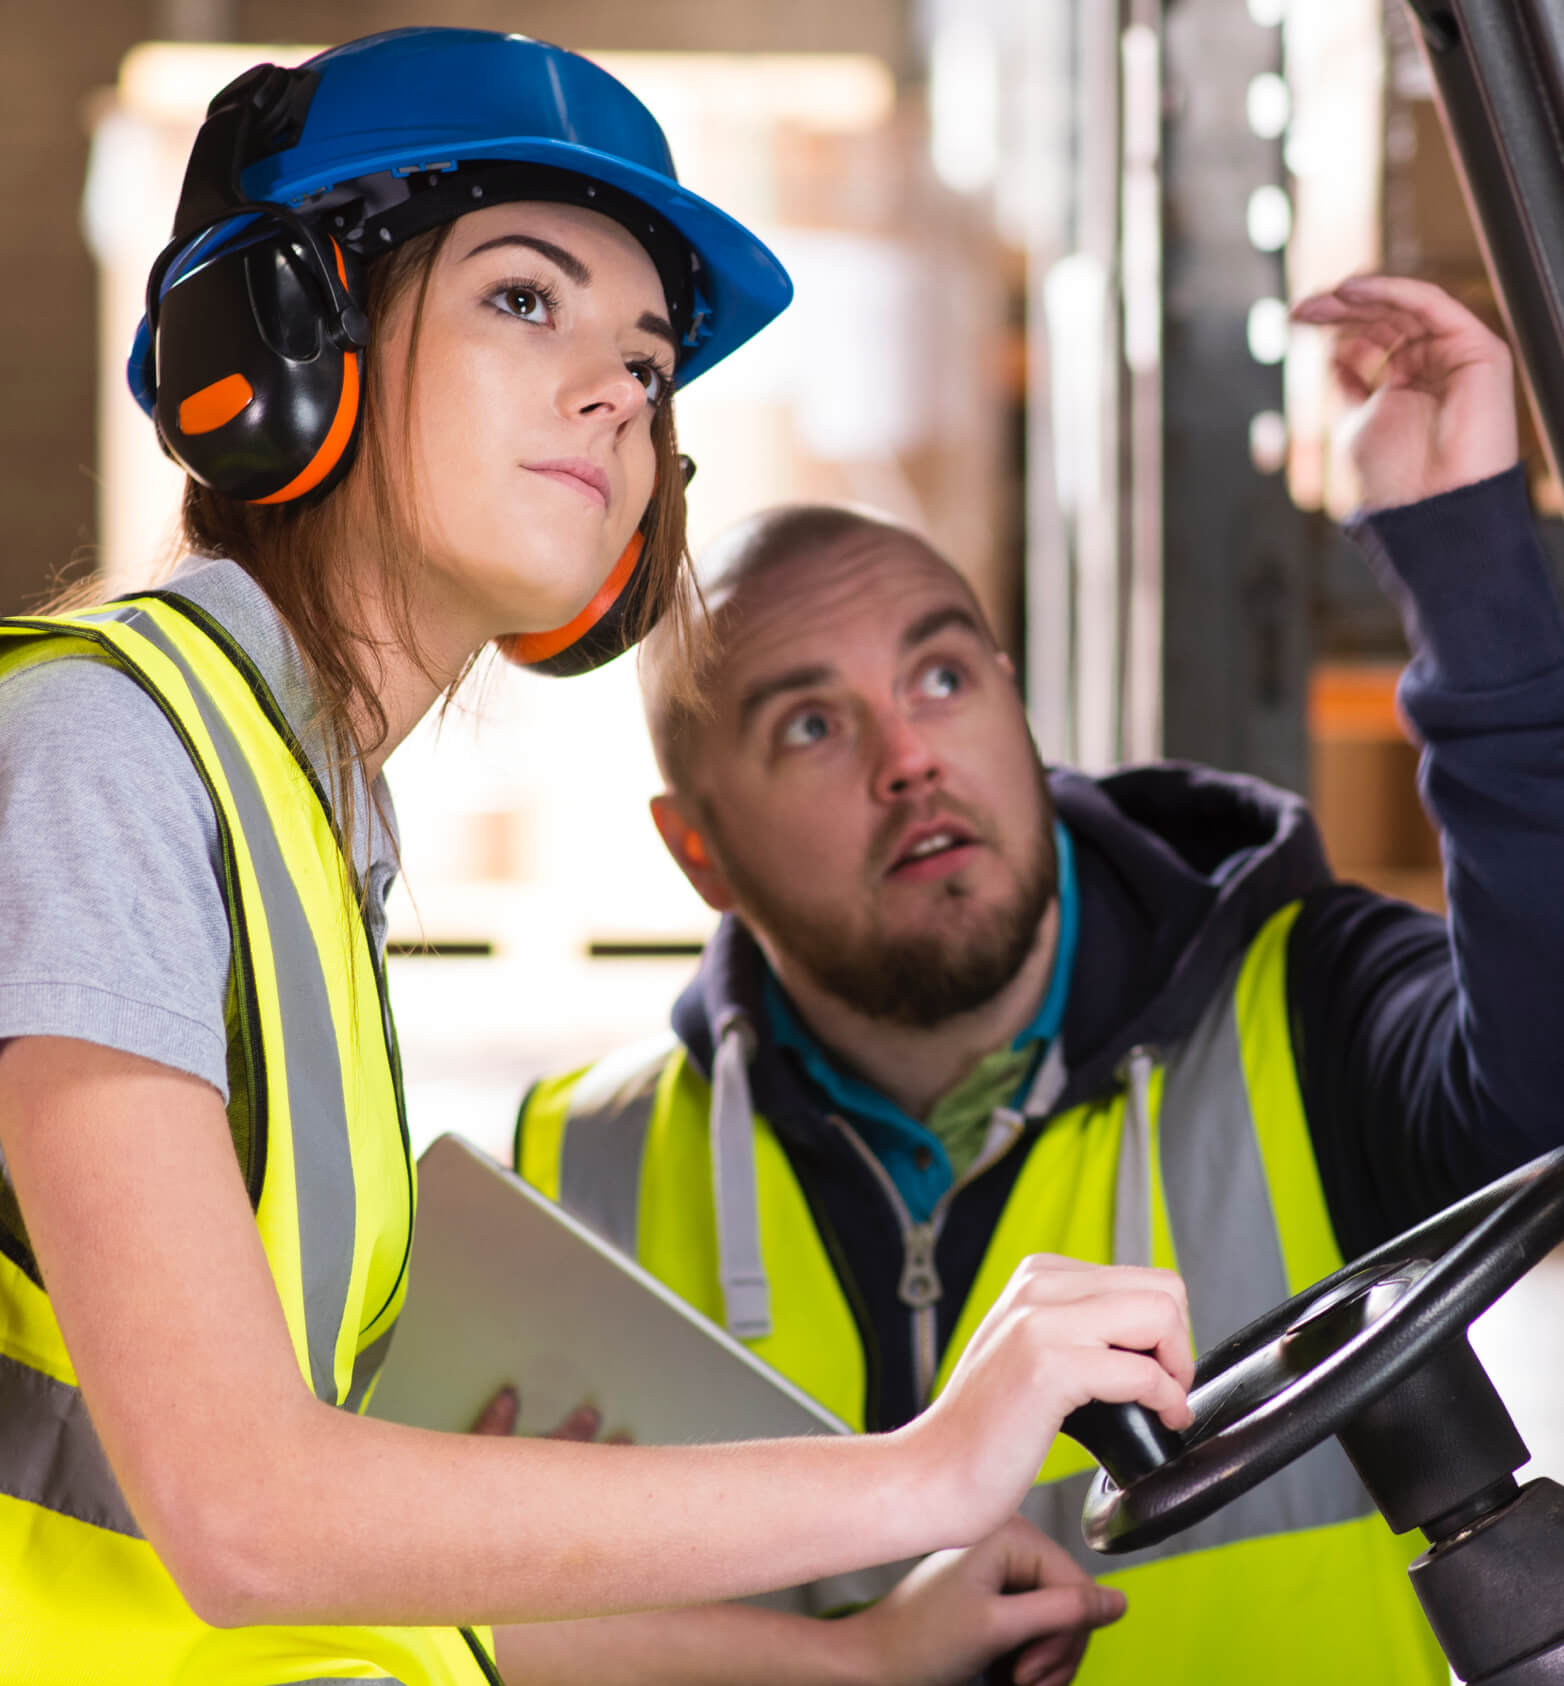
(249,356)
(258,386)
(602,630)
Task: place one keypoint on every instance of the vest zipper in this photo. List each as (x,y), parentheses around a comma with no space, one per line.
(919,1288)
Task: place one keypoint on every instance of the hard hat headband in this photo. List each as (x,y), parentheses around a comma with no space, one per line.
(374,216)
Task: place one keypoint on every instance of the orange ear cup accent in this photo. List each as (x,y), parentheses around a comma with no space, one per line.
(695,849)
(525,647)
(214,406)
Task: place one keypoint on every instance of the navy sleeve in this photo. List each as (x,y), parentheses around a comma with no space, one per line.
(1432,1058)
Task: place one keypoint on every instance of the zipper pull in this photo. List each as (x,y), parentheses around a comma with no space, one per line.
(919,1285)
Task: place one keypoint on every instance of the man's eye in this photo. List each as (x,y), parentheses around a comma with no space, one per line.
(804,729)
(657,384)
(940,680)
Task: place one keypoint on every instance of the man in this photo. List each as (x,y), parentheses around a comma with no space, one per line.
(958,1011)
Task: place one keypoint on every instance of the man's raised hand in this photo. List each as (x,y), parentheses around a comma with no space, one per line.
(1434,389)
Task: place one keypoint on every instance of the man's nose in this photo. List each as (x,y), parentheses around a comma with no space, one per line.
(907,764)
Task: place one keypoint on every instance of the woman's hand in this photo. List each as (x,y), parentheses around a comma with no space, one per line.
(1060,1334)
(1434,389)
(959,1611)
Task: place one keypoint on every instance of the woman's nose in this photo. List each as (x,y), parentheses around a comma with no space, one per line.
(605,388)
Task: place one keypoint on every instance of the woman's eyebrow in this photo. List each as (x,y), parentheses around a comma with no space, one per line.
(567,263)
(572,268)
(651,323)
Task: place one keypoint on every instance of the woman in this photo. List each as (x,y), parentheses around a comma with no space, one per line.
(209,1197)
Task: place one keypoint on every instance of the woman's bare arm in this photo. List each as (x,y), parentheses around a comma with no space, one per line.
(267,1505)
(1017,1593)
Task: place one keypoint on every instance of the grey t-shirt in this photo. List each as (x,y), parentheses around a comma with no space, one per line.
(113,927)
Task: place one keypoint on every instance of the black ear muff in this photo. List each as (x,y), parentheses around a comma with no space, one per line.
(254,350)
(602,630)
(598,633)
(256,396)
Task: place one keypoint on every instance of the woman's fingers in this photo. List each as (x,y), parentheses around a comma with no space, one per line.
(1051,1661)
(1034,1559)
(1141,1310)
(498,1417)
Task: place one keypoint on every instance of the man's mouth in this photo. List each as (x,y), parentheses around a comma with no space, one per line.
(945,844)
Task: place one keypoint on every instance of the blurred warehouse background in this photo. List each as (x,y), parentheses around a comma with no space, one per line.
(1044,252)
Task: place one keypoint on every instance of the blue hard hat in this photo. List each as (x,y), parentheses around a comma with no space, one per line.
(401,130)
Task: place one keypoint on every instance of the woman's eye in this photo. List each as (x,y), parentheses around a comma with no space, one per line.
(804,729)
(527,304)
(657,384)
(940,680)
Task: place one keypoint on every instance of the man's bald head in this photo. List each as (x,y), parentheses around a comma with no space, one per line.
(744,564)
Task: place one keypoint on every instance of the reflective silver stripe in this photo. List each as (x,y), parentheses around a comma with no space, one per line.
(342,1680)
(1213,1181)
(1230,1256)
(366,1367)
(609,1115)
(322,1154)
(50,1454)
(1318,1491)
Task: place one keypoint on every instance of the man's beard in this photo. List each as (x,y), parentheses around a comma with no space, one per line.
(918,979)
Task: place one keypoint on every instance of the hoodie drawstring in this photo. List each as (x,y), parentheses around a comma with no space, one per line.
(746,1294)
(1132,1188)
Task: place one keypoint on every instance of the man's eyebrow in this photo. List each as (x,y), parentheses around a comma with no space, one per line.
(756,696)
(936,620)
(572,268)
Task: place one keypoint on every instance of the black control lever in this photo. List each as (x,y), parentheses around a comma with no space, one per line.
(1127,1440)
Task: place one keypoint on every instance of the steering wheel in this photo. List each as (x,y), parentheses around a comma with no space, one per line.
(1312,1367)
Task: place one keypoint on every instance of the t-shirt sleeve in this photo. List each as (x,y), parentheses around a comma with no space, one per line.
(113,926)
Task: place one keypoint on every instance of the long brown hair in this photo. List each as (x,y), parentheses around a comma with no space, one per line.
(293,551)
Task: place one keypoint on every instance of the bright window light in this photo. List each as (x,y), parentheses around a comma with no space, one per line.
(964,105)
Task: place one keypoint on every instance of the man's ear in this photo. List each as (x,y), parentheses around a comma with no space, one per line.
(688,846)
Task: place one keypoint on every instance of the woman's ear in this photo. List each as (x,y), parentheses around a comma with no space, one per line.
(684,841)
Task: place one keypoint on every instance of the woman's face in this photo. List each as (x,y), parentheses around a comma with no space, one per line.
(543,350)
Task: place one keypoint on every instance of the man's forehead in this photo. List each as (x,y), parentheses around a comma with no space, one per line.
(865,595)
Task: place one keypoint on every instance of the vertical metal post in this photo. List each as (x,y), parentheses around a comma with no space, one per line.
(1048,108)
(1098,513)
(1141,263)
(1237,553)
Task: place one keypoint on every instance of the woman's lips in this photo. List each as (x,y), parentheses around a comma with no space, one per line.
(576,473)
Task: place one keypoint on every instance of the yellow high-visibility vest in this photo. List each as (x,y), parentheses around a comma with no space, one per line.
(318,1123)
(1202,1164)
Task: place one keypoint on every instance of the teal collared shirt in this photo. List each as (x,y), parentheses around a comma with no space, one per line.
(915,1155)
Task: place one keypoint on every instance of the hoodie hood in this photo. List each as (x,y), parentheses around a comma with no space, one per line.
(1178,867)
